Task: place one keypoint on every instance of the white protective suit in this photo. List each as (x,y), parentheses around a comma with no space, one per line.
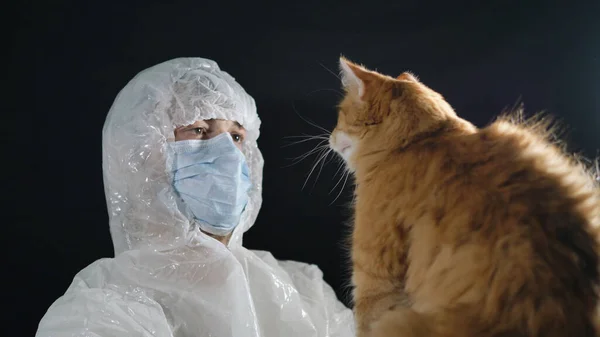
(168,278)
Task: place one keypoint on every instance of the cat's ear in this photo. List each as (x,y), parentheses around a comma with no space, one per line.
(353,77)
(407,76)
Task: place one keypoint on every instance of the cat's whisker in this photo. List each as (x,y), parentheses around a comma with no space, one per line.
(318,148)
(325,89)
(316,163)
(342,189)
(300,158)
(330,158)
(306,139)
(319,160)
(341,165)
(309,122)
(323,163)
(303,141)
(323,135)
(336,185)
(330,71)
(353,201)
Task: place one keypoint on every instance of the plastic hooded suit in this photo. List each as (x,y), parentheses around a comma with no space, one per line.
(168,278)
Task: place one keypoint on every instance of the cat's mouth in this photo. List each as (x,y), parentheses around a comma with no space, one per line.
(342,145)
(345,150)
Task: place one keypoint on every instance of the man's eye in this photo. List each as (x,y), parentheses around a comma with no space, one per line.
(199,131)
(237,138)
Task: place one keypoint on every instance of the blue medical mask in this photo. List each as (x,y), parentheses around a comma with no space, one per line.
(212,178)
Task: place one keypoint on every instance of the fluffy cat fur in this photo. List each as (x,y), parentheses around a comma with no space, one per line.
(460,231)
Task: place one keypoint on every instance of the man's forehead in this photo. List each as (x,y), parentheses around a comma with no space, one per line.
(226,122)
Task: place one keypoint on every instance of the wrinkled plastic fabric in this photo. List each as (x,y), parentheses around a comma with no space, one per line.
(168,278)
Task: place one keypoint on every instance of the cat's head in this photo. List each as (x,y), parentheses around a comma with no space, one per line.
(380,113)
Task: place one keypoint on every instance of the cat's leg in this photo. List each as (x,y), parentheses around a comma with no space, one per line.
(402,322)
(406,322)
(372,298)
(458,322)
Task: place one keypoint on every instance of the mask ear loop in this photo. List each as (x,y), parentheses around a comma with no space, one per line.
(236,238)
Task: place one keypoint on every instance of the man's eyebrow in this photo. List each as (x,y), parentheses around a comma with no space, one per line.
(238,125)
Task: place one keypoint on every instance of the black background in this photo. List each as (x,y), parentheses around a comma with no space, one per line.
(68,60)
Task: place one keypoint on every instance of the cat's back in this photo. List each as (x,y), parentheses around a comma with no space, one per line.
(505,165)
(523,177)
(520,163)
(540,208)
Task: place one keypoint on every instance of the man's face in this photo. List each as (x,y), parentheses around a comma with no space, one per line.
(210,128)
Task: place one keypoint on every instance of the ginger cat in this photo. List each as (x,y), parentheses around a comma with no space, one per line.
(460,231)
